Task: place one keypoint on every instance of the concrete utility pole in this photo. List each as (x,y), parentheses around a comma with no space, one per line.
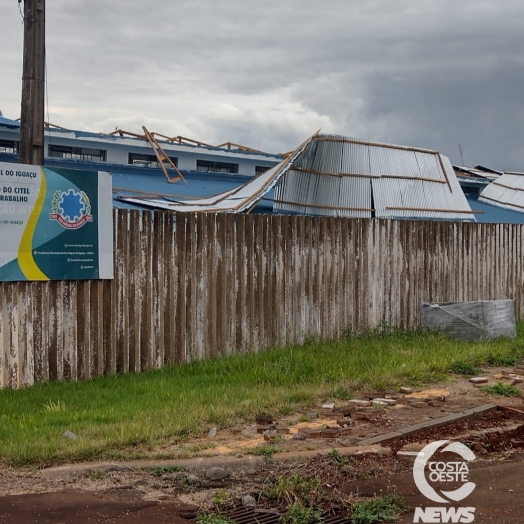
(33,84)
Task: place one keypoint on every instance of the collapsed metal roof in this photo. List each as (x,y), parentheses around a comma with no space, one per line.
(339,176)
(507,192)
(477,172)
(238,200)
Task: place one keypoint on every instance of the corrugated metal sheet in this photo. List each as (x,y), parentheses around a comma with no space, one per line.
(425,187)
(319,183)
(331,175)
(507,192)
(237,201)
(7,122)
(343,176)
(477,173)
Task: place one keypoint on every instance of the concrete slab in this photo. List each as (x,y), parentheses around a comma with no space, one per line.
(434,423)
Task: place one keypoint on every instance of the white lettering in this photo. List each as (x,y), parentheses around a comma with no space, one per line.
(444,515)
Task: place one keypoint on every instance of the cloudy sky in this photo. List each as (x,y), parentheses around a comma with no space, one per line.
(268,74)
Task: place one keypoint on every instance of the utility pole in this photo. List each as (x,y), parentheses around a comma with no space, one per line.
(33,84)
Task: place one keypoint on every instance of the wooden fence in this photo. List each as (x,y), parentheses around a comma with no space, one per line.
(206,285)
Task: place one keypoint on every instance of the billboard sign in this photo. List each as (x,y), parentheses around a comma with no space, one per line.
(55,224)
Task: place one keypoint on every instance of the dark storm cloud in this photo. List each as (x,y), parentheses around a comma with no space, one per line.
(268,74)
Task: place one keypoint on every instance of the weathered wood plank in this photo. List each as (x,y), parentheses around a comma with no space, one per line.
(197,286)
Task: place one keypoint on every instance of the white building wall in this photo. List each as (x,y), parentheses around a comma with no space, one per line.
(118,149)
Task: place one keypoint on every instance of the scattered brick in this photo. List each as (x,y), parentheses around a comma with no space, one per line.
(361,403)
(478,380)
(263,419)
(387,401)
(360,415)
(345,410)
(282,430)
(330,433)
(312,433)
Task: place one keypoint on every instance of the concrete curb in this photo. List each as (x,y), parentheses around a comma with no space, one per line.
(365,446)
(199,463)
(435,423)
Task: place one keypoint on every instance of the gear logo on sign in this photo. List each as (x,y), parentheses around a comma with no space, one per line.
(71,209)
(456,472)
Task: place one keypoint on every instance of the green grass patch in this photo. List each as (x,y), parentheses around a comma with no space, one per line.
(137,415)
(264,450)
(336,456)
(288,489)
(464,368)
(501,389)
(503,360)
(159,471)
(382,509)
(299,514)
(213,518)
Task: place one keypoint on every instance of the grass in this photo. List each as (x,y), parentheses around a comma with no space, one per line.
(501,389)
(159,471)
(502,360)
(299,514)
(263,450)
(288,490)
(213,518)
(382,509)
(464,368)
(135,415)
(336,456)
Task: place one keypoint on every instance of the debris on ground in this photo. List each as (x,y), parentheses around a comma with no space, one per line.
(478,380)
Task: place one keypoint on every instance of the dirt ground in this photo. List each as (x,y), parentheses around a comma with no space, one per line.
(140,494)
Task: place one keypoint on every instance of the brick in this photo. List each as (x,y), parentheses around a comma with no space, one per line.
(387,401)
(406,391)
(478,380)
(363,416)
(330,433)
(345,410)
(361,402)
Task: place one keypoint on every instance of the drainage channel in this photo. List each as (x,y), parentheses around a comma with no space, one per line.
(243,515)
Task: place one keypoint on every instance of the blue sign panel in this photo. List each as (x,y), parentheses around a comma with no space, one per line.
(55,224)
